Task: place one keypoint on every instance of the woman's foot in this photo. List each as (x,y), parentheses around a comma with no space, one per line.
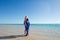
(26,35)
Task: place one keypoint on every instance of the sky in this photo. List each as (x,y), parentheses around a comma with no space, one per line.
(38,11)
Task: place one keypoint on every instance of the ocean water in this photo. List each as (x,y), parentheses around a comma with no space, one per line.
(39,29)
(52,29)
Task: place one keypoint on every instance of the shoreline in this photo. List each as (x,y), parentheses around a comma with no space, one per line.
(17,32)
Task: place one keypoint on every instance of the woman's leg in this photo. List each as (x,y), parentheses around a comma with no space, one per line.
(24,32)
(27,31)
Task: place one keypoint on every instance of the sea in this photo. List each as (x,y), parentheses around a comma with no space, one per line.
(47,29)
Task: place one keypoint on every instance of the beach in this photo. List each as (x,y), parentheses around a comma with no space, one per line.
(36,32)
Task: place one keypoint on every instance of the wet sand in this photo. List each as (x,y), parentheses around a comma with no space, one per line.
(17,33)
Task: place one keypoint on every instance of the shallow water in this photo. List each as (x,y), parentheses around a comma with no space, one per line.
(51,31)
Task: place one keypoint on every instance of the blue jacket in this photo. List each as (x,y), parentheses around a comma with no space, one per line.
(27,24)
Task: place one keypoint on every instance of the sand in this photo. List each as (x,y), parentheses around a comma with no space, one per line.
(17,33)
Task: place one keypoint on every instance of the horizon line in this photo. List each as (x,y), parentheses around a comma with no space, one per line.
(35,23)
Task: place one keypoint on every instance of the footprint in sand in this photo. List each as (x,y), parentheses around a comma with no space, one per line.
(26,38)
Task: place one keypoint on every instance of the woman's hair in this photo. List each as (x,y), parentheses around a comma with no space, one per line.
(26,17)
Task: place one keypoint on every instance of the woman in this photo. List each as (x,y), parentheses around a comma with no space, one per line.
(26,24)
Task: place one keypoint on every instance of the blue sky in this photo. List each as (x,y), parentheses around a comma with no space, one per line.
(38,11)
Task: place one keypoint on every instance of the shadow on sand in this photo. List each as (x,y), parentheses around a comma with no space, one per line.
(11,36)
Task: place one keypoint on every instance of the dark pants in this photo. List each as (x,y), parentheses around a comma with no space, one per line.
(27,30)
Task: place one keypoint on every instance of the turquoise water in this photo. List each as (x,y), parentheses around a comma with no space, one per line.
(37,26)
(46,28)
(39,29)
(57,26)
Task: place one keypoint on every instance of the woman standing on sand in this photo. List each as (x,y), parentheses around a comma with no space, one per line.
(26,24)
